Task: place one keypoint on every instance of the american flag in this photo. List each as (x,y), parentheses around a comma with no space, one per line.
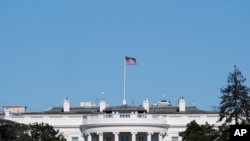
(130,60)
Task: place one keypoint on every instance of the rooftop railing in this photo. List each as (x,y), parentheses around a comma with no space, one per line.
(124,118)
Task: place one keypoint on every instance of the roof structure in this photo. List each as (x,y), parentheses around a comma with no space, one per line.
(125,109)
(175,110)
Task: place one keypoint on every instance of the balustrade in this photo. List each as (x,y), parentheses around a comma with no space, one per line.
(118,118)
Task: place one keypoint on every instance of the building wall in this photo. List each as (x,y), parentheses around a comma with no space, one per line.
(71,125)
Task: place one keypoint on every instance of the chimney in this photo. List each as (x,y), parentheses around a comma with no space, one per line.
(182,104)
(145,104)
(66,105)
(102,105)
(7,112)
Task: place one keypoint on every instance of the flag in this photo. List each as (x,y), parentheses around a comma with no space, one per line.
(130,61)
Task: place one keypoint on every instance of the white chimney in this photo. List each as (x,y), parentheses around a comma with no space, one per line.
(7,112)
(102,105)
(145,104)
(66,105)
(182,105)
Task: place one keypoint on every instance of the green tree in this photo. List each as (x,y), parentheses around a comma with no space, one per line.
(235,100)
(45,132)
(13,131)
(224,132)
(196,132)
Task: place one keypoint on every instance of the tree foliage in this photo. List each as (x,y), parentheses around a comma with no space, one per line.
(12,131)
(196,132)
(235,100)
(224,132)
(45,132)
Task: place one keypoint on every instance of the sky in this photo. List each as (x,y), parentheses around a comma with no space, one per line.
(50,50)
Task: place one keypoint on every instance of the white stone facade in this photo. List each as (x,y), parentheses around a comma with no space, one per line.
(119,126)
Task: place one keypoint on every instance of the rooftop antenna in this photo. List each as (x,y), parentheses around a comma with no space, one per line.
(133,102)
(102,95)
(163,96)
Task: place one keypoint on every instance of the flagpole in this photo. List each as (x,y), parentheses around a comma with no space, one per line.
(124,83)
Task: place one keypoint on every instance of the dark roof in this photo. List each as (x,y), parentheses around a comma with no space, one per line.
(175,110)
(73,110)
(125,109)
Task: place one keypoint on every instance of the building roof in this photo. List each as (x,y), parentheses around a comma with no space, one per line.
(162,107)
(73,110)
(125,109)
(175,110)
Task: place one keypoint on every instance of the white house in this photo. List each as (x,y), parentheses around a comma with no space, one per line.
(88,122)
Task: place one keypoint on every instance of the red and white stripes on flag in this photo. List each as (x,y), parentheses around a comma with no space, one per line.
(130,61)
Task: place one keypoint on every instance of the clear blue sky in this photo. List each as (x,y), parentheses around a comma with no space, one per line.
(53,49)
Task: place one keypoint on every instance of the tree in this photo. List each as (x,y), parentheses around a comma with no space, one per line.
(224,132)
(196,132)
(45,132)
(235,100)
(13,131)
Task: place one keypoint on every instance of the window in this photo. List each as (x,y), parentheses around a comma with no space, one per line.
(141,139)
(74,138)
(108,138)
(174,138)
(155,137)
(95,138)
(125,138)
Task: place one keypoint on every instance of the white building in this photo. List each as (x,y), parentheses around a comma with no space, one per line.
(159,122)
